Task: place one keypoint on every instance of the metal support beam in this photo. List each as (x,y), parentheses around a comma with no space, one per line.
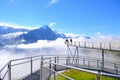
(69,52)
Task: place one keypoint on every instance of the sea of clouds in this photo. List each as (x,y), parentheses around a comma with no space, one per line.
(41,47)
(45,47)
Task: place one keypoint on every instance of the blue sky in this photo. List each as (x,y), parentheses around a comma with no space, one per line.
(68,16)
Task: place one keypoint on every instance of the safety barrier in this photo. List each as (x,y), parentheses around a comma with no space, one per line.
(21,68)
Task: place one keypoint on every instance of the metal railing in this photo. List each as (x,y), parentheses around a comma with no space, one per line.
(112,45)
(20,68)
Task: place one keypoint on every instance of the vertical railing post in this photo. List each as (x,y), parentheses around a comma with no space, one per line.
(97,63)
(74,43)
(116,68)
(83,61)
(98,75)
(54,75)
(50,67)
(88,63)
(102,59)
(79,44)
(9,70)
(85,44)
(41,67)
(31,65)
(68,53)
(92,45)
(66,61)
(77,56)
(100,45)
(57,59)
(110,46)
(50,63)
(0,76)
(55,65)
(76,61)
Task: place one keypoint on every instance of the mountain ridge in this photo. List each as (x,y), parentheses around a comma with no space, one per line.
(30,36)
(6,30)
(42,33)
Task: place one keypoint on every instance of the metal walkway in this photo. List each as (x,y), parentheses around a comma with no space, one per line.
(36,75)
(43,67)
(33,76)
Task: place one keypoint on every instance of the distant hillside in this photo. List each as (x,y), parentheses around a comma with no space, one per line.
(6,30)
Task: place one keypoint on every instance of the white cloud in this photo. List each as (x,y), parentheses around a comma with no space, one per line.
(41,44)
(52,24)
(102,38)
(52,2)
(42,47)
(98,37)
(16,26)
(13,35)
(8,55)
(72,35)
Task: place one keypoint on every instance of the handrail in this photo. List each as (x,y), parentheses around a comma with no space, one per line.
(59,73)
(52,57)
(3,67)
(82,44)
(94,72)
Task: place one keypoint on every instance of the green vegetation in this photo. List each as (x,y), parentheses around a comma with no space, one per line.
(80,75)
